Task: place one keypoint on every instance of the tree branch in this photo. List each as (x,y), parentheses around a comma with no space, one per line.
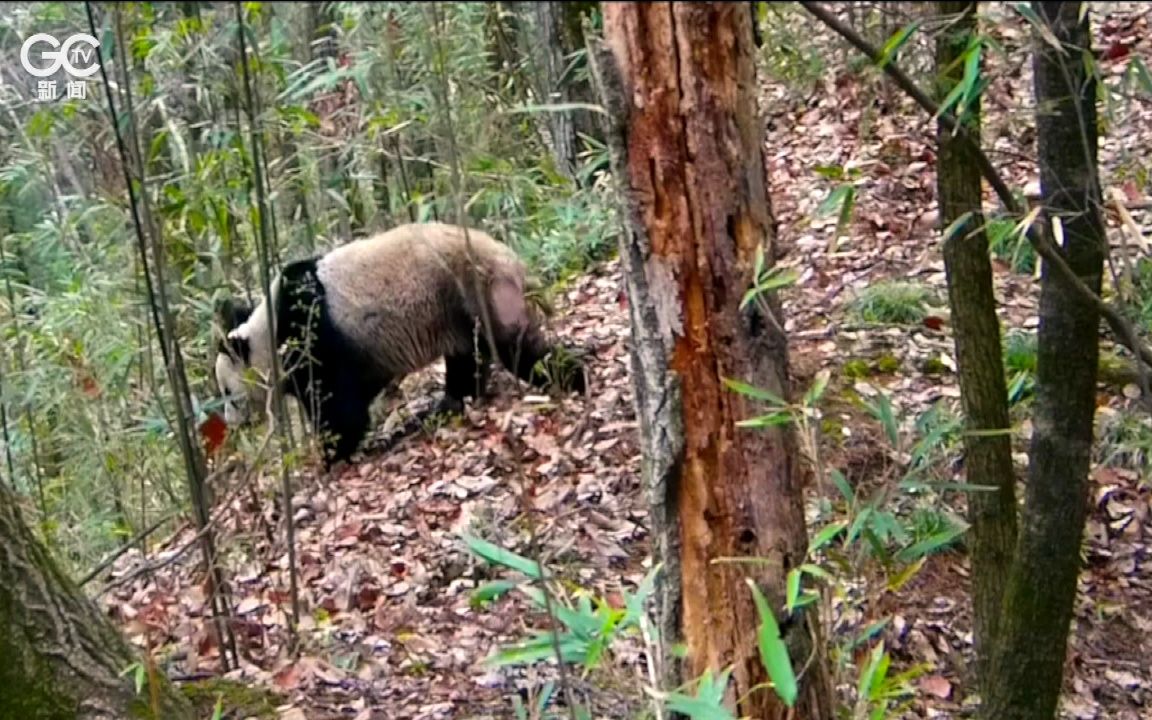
(1121,328)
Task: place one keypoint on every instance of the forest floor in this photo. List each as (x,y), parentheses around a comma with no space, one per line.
(387,629)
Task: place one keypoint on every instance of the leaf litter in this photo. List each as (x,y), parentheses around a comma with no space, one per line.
(387,629)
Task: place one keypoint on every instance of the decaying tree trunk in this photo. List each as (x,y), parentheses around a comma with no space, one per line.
(1039,598)
(61,658)
(988,456)
(678,81)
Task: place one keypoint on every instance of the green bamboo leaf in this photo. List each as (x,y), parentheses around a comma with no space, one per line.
(1040,26)
(817,571)
(834,200)
(931,544)
(1140,72)
(955,226)
(491,591)
(775,419)
(826,534)
(697,709)
(894,43)
(499,556)
(754,392)
(773,651)
(842,485)
(793,589)
(858,525)
(846,208)
(816,391)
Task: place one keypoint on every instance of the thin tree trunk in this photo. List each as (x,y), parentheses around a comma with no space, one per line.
(555,33)
(62,658)
(678,81)
(1041,590)
(988,457)
(322,31)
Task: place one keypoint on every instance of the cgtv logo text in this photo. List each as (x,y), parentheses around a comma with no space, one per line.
(66,55)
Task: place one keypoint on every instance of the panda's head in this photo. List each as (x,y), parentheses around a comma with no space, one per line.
(240,387)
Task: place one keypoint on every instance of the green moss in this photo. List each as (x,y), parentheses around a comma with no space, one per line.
(1116,372)
(237,699)
(417,669)
(831,428)
(856,369)
(887,364)
(934,366)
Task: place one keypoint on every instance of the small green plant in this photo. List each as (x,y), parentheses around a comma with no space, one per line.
(1020,350)
(590,624)
(1142,292)
(893,303)
(871,532)
(1007,243)
(1125,441)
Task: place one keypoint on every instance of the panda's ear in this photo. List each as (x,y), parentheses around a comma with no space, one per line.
(223,311)
(229,315)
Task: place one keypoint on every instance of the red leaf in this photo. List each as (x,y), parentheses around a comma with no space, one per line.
(1117,50)
(937,685)
(933,322)
(1132,193)
(90,388)
(213,431)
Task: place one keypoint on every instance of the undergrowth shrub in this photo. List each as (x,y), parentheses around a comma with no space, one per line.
(1020,359)
(1124,440)
(864,543)
(893,303)
(1008,244)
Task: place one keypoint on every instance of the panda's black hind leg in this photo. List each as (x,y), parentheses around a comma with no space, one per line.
(464,377)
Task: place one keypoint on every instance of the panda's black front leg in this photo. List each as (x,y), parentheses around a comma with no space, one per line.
(338,409)
(464,376)
(521,354)
(340,426)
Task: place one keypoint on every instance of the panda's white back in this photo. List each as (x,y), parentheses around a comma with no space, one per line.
(397,294)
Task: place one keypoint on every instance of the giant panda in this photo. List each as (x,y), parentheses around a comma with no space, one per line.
(356,320)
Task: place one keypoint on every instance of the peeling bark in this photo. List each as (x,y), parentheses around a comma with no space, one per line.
(678,81)
(62,659)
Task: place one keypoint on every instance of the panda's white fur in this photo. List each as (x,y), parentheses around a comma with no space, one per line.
(382,307)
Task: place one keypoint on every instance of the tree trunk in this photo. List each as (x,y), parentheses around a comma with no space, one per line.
(333,176)
(988,458)
(555,33)
(679,83)
(1041,590)
(62,658)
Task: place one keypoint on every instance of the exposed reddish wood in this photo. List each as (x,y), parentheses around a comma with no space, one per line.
(691,167)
